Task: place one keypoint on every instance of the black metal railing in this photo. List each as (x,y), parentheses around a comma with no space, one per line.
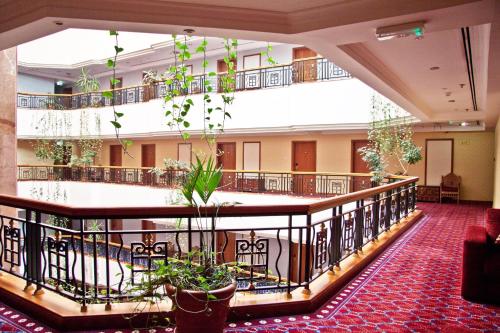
(319,184)
(95,254)
(317,69)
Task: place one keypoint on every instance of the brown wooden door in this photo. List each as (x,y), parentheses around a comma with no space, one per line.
(148,160)
(359,166)
(115,159)
(307,69)
(226,159)
(222,68)
(304,160)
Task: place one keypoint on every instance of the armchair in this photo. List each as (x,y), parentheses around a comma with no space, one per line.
(450,187)
(481,261)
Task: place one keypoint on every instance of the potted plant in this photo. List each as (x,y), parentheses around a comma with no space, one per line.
(200,288)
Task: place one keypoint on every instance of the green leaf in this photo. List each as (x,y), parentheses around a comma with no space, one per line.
(116,124)
(186,124)
(110,63)
(113,33)
(118,49)
(107,94)
(186,136)
(119,114)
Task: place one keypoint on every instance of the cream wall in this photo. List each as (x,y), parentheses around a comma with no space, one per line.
(496,196)
(473,155)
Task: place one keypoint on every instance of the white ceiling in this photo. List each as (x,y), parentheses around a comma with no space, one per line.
(343,31)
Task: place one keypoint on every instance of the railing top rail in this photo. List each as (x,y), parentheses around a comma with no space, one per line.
(322,173)
(157,82)
(186,211)
(323,204)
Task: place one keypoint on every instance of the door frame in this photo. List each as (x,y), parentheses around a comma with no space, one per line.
(260,153)
(294,142)
(452,154)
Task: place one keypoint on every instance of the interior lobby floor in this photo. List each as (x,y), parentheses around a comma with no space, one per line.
(414,286)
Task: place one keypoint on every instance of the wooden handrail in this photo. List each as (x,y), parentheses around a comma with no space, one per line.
(186,211)
(322,173)
(358,195)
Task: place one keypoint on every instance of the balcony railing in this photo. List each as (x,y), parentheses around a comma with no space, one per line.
(318,184)
(309,70)
(94,254)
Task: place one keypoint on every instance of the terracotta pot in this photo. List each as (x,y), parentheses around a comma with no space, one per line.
(208,317)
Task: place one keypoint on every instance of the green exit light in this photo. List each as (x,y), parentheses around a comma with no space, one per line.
(419,32)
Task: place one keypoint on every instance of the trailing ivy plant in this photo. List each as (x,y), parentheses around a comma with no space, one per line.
(111,94)
(390,141)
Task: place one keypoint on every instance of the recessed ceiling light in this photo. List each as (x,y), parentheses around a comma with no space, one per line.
(58,23)
(189,31)
(451,101)
(434,68)
(444,88)
(464,123)
(448,93)
(462,85)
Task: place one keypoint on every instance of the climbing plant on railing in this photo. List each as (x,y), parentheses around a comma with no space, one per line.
(111,94)
(391,148)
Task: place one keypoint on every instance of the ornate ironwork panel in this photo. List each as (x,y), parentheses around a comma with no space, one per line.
(348,233)
(144,254)
(253,255)
(12,245)
(58,259)
(321,247)
(368,222)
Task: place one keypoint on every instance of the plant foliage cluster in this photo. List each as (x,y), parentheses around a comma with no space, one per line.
(390,141)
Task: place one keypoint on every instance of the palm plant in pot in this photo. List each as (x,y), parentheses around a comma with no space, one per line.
(200,288)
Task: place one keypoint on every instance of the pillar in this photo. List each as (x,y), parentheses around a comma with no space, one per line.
(8,108)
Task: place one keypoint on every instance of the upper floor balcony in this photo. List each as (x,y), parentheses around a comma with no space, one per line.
(306,70)
(313,84)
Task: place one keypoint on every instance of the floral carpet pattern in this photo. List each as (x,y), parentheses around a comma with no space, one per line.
(414,286)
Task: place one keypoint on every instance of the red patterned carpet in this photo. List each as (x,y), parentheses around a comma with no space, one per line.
(412,287)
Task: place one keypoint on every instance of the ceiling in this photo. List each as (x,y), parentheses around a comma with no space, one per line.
(159,54)
(343,31)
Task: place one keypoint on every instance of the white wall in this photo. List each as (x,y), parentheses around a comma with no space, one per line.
(34,84)
(314,104)
(282,54)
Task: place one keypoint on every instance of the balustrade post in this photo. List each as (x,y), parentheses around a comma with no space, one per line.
(83,307)
(414,196)
(358,226)
(338,238)
(307,269)
(33,241)
(290,257)
(398,204)
(376,216)
(407,199)
(332,250)
(388,211)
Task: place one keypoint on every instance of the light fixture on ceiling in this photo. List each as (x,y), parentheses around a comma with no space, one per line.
(451,101)
(59,83)
(464,123)
(58,23)
(189,31)
(434,68)
(401,30)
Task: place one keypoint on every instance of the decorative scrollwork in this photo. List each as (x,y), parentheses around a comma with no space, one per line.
(348,233)
(253,256)
(368,222)
(144,254)
(321,248)
(12,244)
(58,259)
